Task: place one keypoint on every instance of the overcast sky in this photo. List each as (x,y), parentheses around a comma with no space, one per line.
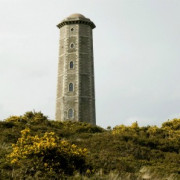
(136,55)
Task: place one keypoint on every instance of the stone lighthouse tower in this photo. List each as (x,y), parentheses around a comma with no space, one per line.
(75,88)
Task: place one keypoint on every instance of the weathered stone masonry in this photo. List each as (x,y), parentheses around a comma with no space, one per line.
(75,88)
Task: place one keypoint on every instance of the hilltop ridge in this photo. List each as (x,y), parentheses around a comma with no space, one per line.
(124,152)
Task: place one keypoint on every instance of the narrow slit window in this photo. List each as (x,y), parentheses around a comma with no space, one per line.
(70,113)
(71,65)
(71,87)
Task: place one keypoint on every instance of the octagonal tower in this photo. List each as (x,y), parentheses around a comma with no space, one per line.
(75,88)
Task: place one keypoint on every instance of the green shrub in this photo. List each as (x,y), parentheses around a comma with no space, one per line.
(47,154)
(123,150)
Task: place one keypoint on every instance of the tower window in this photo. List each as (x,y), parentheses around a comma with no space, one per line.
(71,65)
(72,29)
(70,113)
(71,87)
(72,45)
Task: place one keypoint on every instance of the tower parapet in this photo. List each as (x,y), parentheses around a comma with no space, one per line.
(76,19)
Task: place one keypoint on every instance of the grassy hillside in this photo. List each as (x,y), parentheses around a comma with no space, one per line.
(124,152)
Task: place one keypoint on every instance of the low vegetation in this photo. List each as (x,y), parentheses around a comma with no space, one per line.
(33,147)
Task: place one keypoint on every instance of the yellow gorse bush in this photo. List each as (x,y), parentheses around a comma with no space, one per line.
(121,129)
(30,117)
(15,119)
(46,150)
(169,129)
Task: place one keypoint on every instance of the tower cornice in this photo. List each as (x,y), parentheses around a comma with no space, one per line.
(74,19)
